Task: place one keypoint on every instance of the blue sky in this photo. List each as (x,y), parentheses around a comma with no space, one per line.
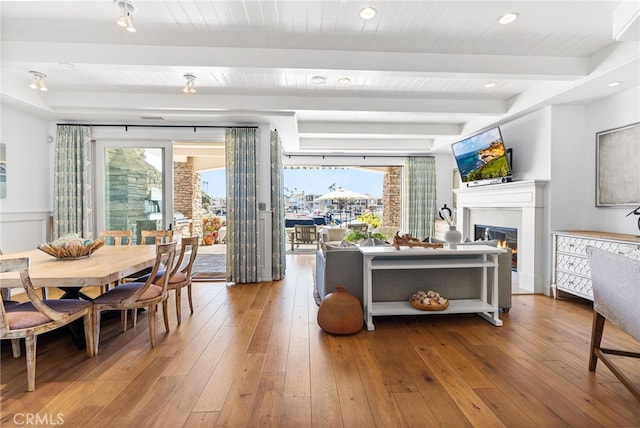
(315,181)
(476,142)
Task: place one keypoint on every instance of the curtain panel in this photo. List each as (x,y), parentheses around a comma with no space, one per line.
(73,209)
(420,187)
(278,238)
(242,204)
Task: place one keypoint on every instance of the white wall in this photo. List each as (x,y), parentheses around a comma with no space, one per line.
(445,164)
(24,214)
(612,112)
(29,179)
(529,137)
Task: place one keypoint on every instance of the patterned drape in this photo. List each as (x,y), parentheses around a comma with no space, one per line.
(242,204)
(420,186)
(73,209)
(278,239)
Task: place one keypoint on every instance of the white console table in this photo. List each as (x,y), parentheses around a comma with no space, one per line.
(467,256)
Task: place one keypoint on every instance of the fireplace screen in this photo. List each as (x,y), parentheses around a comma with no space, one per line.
(507,237)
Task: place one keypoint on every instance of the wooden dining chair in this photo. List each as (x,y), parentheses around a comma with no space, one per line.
(180,276)
(117,237)
(158,236)
(5,292)
(150,237)
(30,319)
(135,295)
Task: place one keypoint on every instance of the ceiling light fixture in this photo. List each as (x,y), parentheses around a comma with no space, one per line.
(127,9)
(344,80)
(190,86)
(368,13)
(318,80)
(612,84)
(490,85)
(38,81)
(508,18)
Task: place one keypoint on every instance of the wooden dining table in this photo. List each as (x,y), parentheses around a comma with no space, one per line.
(106,266)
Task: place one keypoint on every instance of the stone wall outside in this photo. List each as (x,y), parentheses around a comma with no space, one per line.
(187,198)
(392,197)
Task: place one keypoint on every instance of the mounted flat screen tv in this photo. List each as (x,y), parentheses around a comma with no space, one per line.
(482,159)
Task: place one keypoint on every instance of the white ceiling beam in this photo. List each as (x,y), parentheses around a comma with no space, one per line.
(205,151)
(434,65)
(149,103)
(626,21)
(202,164)
(367,145)
(367,130)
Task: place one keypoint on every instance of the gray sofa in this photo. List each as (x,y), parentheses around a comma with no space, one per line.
(343,266)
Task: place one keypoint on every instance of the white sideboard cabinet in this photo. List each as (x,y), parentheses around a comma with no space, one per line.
(571,272)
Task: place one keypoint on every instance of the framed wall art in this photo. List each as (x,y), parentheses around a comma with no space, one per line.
(618,166)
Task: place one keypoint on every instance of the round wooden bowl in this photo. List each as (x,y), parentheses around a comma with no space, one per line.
(74,252)
(423,307)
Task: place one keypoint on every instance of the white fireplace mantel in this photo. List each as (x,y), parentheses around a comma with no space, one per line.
(525,197)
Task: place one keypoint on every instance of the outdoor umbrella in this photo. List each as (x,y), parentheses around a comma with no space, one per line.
(342,195)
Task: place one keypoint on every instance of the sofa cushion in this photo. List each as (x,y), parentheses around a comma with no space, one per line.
(371,242)
(337,246)
(492,243)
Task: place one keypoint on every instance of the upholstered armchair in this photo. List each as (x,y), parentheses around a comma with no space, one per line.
(616,298)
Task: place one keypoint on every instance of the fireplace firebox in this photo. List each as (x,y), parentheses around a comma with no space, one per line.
(507,237)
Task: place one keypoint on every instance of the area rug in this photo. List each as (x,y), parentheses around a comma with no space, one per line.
(209,267)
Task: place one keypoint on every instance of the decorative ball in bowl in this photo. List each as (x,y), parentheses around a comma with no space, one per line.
(71,246)
(428,301)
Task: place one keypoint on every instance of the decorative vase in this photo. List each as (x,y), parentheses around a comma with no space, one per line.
(453,237)
(340,312)
(208,239)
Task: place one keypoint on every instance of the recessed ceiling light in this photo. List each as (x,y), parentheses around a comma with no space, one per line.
(318,80)
(490,85)
(612,84)
(368,13)
(344,80)
(508,18)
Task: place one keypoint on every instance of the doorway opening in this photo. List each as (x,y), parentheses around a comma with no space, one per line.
(201,192)
(334,197)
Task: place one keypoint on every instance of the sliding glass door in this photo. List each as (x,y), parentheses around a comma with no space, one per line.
(133,186)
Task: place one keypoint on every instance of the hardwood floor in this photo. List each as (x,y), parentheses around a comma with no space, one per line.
(253,355)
